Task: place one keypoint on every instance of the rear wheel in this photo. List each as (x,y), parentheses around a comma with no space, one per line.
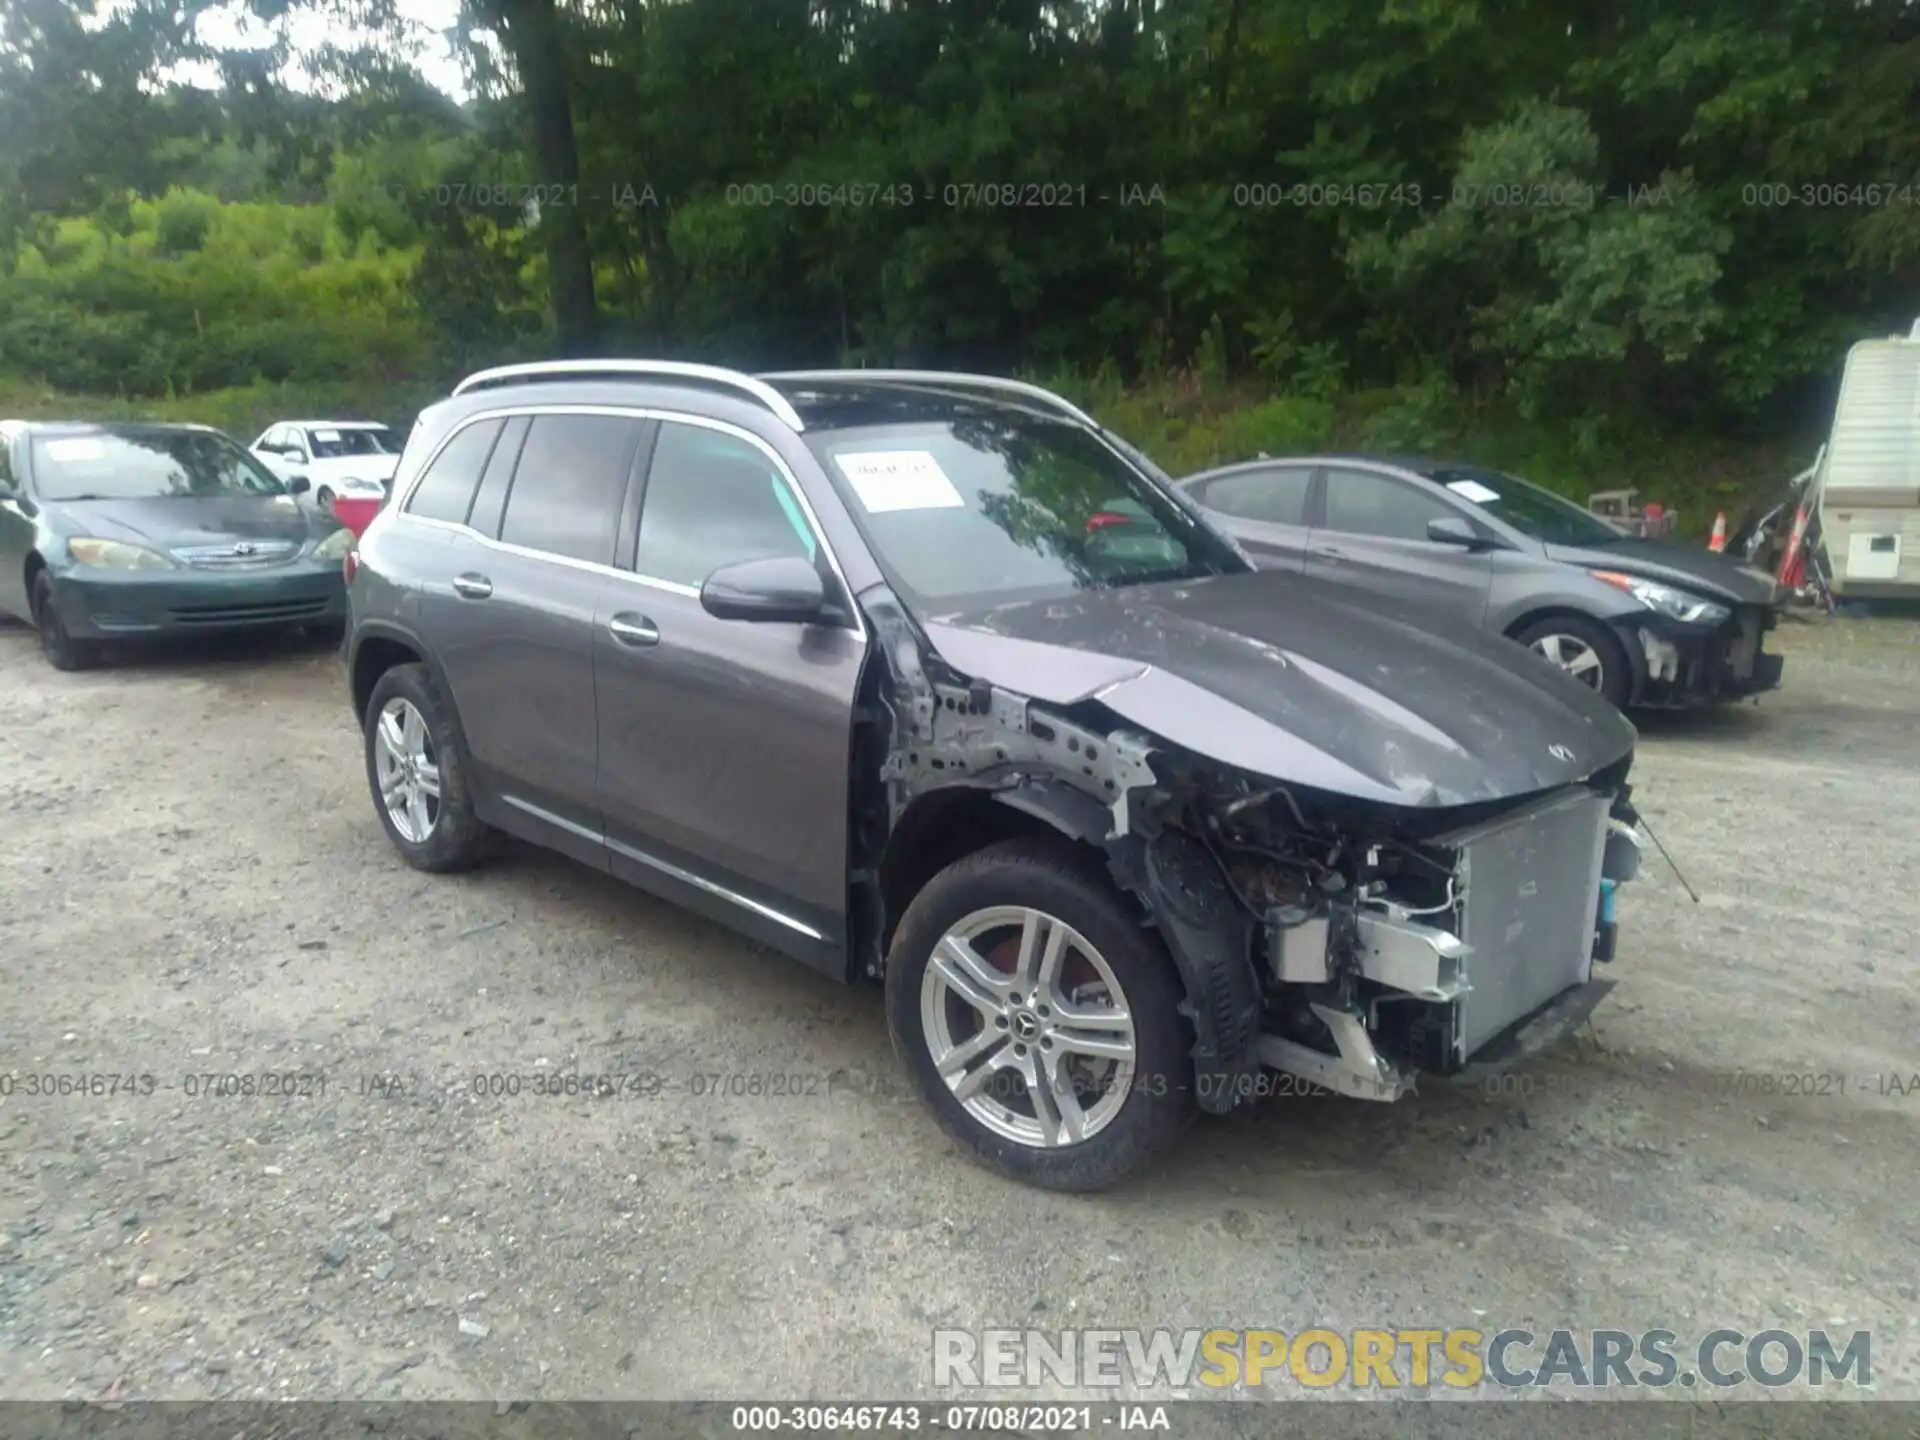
(1039,1019)
(418,773)
(1586,650)
(61,650)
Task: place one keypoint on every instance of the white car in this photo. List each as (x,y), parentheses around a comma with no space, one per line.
(351,458)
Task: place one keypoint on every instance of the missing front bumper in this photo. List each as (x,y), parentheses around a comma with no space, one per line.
(1542,1030)
(1360,1072)
(1502,969)
(1679,666)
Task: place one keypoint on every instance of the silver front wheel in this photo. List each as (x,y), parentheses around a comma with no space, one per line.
(408,771)
(1574,656)
(1028,1026)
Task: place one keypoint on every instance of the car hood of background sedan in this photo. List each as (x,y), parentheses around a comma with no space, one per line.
(1277,675)
(1720,576)
(171,521)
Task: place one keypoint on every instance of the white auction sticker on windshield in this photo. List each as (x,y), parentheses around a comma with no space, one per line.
(1473,490)
(888,480)
(64,450)
(325,435)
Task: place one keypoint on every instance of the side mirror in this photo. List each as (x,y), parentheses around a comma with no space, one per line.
(297,484)
(1452,530)
(781,588)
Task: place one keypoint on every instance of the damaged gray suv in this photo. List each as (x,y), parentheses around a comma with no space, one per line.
(926,679)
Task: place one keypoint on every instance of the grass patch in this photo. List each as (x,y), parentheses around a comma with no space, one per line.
(1182,422)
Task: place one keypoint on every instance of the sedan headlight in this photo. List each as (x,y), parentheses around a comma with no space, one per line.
(335,545)
(1680,604)
(116,555)
(364,486)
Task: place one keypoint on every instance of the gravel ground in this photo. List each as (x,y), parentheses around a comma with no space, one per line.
(192,882)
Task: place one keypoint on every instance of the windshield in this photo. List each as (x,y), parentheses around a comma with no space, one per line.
(969,510)
(145,464)
(333,444)
(1538,514)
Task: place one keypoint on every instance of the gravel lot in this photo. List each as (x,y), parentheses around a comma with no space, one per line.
(192,881)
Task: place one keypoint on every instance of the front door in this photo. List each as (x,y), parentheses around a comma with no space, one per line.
(511,616)
(1372,538)
(723,773)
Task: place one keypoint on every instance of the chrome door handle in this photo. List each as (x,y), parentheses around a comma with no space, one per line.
(474,587)
(1327,552)
(634,630)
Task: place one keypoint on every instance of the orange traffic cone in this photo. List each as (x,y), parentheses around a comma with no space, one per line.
(1718,540)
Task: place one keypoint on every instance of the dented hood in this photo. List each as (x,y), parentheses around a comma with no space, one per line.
(1279,675)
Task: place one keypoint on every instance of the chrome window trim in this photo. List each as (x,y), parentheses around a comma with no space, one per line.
(663,369)
(454,527)
(397,511)
(586,832)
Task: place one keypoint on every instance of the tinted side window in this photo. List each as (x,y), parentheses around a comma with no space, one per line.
(491,498)
(6,463)
(567,489)
(1362,503)
(445,492)
(1278,497)
(712,499)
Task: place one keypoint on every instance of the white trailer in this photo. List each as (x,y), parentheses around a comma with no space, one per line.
(1867,483)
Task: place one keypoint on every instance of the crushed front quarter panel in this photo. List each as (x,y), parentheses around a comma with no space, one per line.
(1284,922)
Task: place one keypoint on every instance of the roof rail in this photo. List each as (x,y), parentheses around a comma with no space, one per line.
(661,369)
(953,381)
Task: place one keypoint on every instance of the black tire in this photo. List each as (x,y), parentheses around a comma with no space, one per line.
(458,840)
(1052,877)
(61,650)
(1616,672)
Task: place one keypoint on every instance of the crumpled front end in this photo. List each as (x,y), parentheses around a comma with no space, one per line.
(1381,944)
(1339,940)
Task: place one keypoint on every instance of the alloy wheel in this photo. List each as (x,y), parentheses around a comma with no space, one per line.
(1574,656)
(408,768)
(1028,1026)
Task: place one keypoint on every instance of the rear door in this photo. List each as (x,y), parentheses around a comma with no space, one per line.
(723,770)
(1265,509)
(1371,536)
(516,615)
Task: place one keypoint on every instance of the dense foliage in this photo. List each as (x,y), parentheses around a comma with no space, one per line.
(1601,220)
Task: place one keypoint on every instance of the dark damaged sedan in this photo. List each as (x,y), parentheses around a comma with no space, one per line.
(128,532)
(1647,623)
(925,679)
